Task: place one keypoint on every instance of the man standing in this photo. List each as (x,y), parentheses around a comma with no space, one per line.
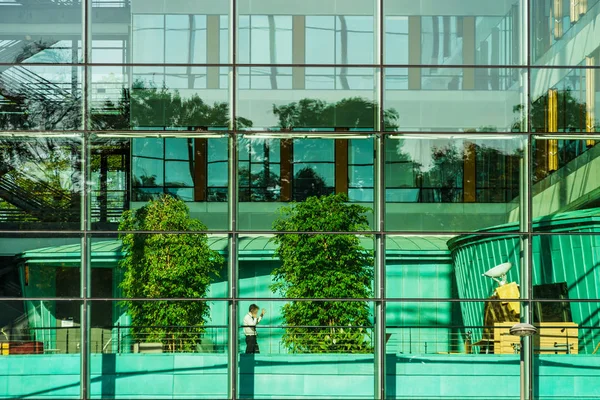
(250,321)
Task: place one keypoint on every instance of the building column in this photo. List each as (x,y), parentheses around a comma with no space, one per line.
(298,51)
(590,98)
(414,52)
(526,356)
(212,50)
(341,166)
(379,276)
(552,146)
(286,168)
(232,262)
(200,169)
(86,209)
(558,15)
(468,52)
(469,174)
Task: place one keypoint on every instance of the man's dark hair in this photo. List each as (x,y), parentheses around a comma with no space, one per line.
(253,307)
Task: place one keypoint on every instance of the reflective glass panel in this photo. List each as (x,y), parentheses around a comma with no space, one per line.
(561,31)
(322,98)
(32,267)
(128,173)
(564,192)
(159,98)
(453,99)
(284,32)
(483,32)
(565,266)
(40,97)
(430,342)
(567,334)
(305,266)
(273,172)
(184,265)
(186,342)
(40,348)
(40,32)
(40,182)
(564,100)
(452,183)
(334,336)
(142,32)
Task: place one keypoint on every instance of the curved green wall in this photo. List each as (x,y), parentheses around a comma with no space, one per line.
(572,258)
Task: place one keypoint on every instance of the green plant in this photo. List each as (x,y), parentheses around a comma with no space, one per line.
(323,265)
(166,265)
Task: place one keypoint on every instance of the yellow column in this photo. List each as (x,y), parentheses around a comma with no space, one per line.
(590,99)
(552,127)
(558,15)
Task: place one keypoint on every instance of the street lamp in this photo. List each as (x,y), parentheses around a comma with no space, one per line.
(523,330)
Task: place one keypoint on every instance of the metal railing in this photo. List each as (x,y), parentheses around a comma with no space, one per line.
(281,340)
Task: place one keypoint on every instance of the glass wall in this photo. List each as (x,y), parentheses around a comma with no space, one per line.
(277,199)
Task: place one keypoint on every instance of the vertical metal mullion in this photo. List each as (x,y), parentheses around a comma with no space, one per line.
(380,353)
(232,365)
(526,224)
(85,208)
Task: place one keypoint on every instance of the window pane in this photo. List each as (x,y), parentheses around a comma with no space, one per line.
(465,176)
(327,33)
(453,99)
(159,98)
(322,98)
(33,34)
(40,183)
(486,32)
(155,33)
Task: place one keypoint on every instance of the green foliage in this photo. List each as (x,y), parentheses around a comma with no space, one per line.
(323,266)
(147,106)
(353,112)
(167,265)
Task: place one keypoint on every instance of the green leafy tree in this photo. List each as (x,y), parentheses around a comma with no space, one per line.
(323,266)
(164,265)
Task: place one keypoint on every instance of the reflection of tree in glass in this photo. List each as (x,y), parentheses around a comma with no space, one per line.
(146,106)
(144,181)
(259,186)
(571,117)
(308,183)
(24,106)
(447,172)
(40,176)
(353,112)
(324,266)
(571,114)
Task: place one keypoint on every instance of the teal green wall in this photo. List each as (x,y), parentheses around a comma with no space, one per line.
(158,376)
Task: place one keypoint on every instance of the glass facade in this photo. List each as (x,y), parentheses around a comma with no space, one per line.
(394,184)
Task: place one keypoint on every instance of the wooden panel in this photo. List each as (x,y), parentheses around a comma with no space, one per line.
(341,166)
(200,169)
(286,154)
(551,338)
(469,176)
(557,339)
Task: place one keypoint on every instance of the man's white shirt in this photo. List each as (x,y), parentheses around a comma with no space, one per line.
(250,324)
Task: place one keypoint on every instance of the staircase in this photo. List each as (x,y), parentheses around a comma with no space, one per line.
(36,198)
